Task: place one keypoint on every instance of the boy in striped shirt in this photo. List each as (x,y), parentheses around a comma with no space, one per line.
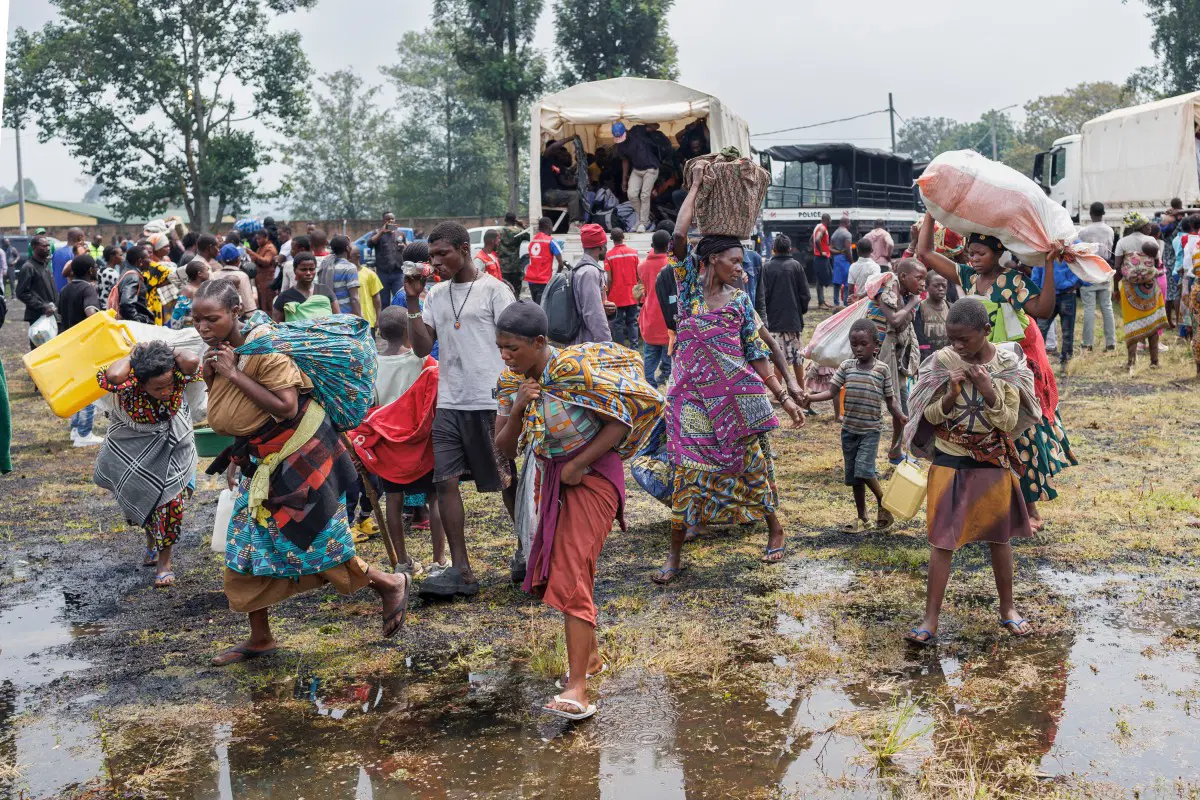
(869,386)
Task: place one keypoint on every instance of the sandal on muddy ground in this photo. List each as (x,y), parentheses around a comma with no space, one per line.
(584,711)
(412,569)
(858,526)
(769,555)
(1013,626)
(884,521)
(400,612)
(666,575)
(150,557)
(164,580)
(244,654)
(561,682)
(914,637)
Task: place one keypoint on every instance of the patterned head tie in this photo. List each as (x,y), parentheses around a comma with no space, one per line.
(990,242)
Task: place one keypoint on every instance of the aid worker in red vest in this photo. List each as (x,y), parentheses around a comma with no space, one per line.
(621,263)
(543,252)
(487,259)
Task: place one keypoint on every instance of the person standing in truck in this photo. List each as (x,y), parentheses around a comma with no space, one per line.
(822,272)
(640,160)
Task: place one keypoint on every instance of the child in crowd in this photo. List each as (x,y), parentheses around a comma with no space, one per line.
(370,289)
(972,399)
(930,322)
(148,459)
(395,441)
(869,386)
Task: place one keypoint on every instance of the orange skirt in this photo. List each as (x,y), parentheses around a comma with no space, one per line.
(248,593)
(585,517)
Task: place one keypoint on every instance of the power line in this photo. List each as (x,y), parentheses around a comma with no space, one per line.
(820,124)
(826,139)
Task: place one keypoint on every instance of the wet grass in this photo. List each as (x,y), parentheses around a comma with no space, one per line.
(1124,509)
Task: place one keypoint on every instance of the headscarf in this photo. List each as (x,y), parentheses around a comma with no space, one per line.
(990,242)
(709,246)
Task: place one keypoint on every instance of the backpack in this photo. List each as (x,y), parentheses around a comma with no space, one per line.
(114,294)
(562,313)
(626,216)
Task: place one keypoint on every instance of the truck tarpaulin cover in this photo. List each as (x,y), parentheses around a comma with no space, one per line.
(1142,156)
(971,194)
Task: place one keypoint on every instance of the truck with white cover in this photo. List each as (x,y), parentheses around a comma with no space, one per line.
(1131,159)
(588,110)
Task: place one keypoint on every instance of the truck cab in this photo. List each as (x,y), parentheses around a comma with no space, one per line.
(1058,171)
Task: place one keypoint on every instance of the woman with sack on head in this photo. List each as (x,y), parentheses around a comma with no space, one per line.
(719,410)
(289,532)
(1012,302)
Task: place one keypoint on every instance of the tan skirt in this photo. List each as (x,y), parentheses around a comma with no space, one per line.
(248,593)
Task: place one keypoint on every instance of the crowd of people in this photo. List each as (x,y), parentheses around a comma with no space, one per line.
(677,361)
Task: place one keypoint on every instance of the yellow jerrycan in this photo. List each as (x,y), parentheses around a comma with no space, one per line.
(64,368)
(905,490)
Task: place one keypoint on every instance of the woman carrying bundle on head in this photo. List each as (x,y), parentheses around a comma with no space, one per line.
(148,458)
(719,408)
(1143,310)
(289,532)
(1011,302)
(972,397)
(581,410)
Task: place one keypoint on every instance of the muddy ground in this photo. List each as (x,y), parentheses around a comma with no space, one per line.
(741,680)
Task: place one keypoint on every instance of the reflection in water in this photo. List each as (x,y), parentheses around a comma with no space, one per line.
(1108,703)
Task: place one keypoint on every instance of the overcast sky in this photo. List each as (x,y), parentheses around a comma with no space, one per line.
(777,63)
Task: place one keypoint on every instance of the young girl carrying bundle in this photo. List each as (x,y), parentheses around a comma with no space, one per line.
(972,399)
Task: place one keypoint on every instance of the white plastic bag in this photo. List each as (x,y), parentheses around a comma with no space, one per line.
(525,511)
(222,520)
(971,194)
(43,329)
(830,342)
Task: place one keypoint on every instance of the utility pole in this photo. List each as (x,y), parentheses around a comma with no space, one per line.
(20,179)
(995,152)
(892,120)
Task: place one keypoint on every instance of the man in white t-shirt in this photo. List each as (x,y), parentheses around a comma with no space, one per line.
(461,313)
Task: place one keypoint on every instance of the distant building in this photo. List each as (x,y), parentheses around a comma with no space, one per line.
(53,214)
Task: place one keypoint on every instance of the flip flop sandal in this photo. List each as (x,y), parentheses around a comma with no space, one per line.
(858,526)
(1014,624)
(246,654)
(914,637)
(665,576)
(770,551)
(412,568)
(401,611)
(150,557)
(884,524)
(565,678)
(584,711)
(164,580)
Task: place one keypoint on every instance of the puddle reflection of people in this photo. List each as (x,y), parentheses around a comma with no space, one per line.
(581,409)
(148,459)
(270,555)
(970,400)
(730,478)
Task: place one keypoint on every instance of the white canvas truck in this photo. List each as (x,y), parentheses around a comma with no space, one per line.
(588,110)
(1131,159)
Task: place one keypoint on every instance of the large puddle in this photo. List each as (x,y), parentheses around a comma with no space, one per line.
(1109,703)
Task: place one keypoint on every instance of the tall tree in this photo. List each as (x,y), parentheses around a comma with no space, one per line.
(492,41)
(449,156)
(1176,47)
(920,136)
(336,156)
(600,39)
(160,99)
(1054,115)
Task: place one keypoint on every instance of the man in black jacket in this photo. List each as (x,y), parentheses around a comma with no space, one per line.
(131,288)
(786,288)
(35,286)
